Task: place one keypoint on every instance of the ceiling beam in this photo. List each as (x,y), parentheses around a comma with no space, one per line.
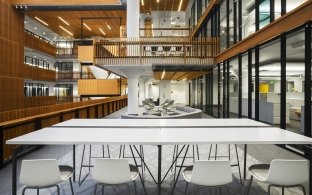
(64,2)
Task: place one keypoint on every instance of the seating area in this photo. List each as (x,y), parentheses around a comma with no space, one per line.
(199,176)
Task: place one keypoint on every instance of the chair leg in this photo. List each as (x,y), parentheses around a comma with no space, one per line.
(90,149)
(108,151)
(209,152)
(193,147)
(186,186)
(135,189)
(220,190)
(238,164)
(216,152)
(283,190)
(303,189)
(24,190)
(120,150)
(102,189)
(269,189)
(71,186)
(58,190)
(38,191)
(174,151)
(83,151)
(197,152)
(95,189)
(250,182)
(103,150)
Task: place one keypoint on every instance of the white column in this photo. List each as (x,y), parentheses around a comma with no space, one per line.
(132,75)
(133,95)
(133,18)
(141,90)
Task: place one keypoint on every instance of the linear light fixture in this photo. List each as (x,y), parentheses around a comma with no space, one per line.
(180,5)
(43,22)
(63,20)
(163,74)
(102,31)
(142,2)
(87,26)
(108,26)
(66,30)
(157,1)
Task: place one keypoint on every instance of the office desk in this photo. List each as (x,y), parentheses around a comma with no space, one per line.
(155,136)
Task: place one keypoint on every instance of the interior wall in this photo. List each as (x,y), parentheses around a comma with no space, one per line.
(11,57)
(178,91)
(164,90)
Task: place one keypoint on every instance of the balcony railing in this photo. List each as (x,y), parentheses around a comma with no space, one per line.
(73,76)
(160,50)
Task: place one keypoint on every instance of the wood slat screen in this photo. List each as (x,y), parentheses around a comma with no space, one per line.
(139,51)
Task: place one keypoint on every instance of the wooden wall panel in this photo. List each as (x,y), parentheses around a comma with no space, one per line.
(50,121)
(98,87)
(36,73)
(85,53)
(39,45)
(39,101)
(68,116)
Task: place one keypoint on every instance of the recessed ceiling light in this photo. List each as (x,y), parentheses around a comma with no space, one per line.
(35,28)
(66,31)
(43,22)
(157,1)
(142,2)
(44,33)
(87,26)
(108,26)
(25,22)
(102,31)
(35,56)
(63,20)
(180,5)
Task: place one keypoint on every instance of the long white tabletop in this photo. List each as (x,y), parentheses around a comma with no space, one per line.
(160,136)
(154,123)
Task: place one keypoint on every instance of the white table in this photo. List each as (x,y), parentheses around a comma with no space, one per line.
(181,123)
(155,136)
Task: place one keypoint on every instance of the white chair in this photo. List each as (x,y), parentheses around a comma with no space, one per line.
(114,172)
(281,173)
(44,173)
(208,173)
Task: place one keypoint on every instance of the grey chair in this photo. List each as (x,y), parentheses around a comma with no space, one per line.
(148,105)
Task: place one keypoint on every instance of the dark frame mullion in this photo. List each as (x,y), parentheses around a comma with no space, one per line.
(240,33)
(224,90)
(283,7)
(240,86)
(272,10)
(228,89)
(257,83)
(283,82)
(211,89)
(307,83)
(227,24)
(257,3)
(235,21)
(250,85)
(219,90)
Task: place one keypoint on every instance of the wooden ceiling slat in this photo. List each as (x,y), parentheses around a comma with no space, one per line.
(74,19)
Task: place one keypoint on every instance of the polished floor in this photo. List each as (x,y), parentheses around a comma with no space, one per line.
(256,154)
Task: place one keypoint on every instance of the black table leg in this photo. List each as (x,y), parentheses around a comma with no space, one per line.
(74,162)
(245,160)
(14,171)
(159,170)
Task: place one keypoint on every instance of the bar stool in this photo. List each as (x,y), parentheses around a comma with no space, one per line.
(229,156)
(175,156)
(89,165)
(141,151)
